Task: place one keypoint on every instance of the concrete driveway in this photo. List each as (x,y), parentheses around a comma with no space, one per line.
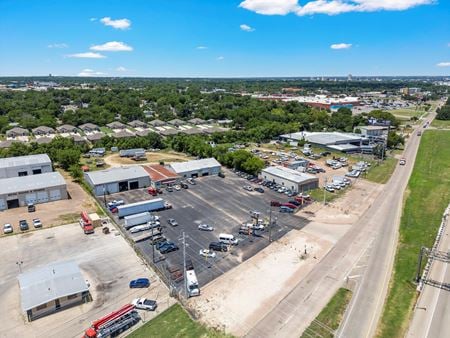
(106,261)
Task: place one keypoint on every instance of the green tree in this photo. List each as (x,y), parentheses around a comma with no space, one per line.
(76,172)
(68,157)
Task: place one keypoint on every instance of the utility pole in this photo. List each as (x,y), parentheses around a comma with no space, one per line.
(153,239)
(104,195)
(419,264)
(324,192)
(270,223)
(184,265)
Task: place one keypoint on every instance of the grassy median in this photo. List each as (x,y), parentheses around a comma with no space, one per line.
(427,196)
(175,322)
(380,173)
(329,319)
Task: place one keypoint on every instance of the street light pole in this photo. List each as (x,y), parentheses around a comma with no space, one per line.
(184,265)
(270,223)
(19,264)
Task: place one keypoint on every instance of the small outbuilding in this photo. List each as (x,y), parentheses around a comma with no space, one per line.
(114,180)
(197,168)
(289,178)
(52,288)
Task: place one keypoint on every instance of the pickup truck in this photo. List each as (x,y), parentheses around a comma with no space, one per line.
(145,304)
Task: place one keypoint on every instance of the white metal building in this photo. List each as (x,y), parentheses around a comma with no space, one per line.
(25,165)
(114,180)
(19,191)
(52,288)
(197,168)
(289,178)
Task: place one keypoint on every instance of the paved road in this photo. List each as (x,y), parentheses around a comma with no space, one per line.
(292,315)
(432,313)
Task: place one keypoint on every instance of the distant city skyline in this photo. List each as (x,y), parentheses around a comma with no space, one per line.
(238,38)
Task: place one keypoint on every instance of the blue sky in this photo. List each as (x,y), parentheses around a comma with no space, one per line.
(159,38)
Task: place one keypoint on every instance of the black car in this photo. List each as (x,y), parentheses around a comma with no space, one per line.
(260,190)
(325,153)
(159,245)
(168,248)
(184,185)
(295,203)
(218,246)
(23,225)
(221,174)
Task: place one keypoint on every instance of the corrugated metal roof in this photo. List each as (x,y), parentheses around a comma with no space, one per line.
(323,138)
(31,183)
(289,174)
(38,159)
(116,174)
(181,167)
(44,284)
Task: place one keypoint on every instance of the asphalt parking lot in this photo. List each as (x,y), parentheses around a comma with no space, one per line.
(223,204)
(106,261)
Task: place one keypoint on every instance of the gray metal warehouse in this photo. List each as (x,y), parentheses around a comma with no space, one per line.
(197,168)
(19,191)
(25,165)
(289,178)
(52,288)
(114,180)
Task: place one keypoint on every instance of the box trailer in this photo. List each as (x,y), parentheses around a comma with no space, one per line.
(192,283)
(140,207)
(136,219)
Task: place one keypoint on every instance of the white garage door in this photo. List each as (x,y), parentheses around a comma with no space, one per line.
(2,204)
(112,188)
(55,195)
(42,196)
(30,198)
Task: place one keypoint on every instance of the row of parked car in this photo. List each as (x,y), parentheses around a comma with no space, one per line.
(337,185)
(23,225)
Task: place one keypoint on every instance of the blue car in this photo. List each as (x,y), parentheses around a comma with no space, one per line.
(140,283)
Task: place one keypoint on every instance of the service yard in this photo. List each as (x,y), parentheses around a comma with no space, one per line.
(223,204)
(106,261)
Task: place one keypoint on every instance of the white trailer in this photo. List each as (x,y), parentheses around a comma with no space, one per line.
(136,219)
(140,207)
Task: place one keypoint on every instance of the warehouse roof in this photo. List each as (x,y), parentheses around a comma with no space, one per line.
(181,167)
(56,280)
(14,185)
(289,174)
(116,174)
(24,160)
(323,138)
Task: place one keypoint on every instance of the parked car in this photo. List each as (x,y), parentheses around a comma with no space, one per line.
(159,246)
(259,189)
(145,304)
(115,204)
(248,188)
(37,223)
(172,222)
(139,283)
(168,248)
(294,203)
(177,187)
(184,185)
(31,207)
(275,203)
(207,253)
(169,189)
(285,209)
(205,227)
(167,205)
(218,246)
(221,174)
(329,188)
(7,228)
(191,181)
(23,225)
(289,205)
(402,161)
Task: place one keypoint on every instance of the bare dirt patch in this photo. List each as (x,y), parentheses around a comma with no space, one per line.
(151,157)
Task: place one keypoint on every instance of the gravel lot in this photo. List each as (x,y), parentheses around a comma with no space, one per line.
(106,261)
(223,204)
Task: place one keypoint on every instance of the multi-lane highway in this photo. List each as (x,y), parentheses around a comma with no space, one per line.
(432,312)
(379,226)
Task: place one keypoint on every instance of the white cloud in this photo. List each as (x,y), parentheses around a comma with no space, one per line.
(220,58)
(87,55)
(201,47)
(112,46)
(89,72)
(329,7)
(117,24)
(443,64)
(246,28)
(93,19)
(341,46)
(58,45)
(121,69)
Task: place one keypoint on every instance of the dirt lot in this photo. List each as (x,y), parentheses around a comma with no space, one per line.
(106,261)
(223,204)
(238,298)
(115,160)
(53,213)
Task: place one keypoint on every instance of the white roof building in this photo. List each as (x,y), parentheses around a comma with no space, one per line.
(195,168)
(290,178)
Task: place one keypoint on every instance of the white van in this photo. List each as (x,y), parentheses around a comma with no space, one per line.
(228,239)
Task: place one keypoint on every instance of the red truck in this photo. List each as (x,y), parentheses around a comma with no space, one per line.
(86,223)
(114,323)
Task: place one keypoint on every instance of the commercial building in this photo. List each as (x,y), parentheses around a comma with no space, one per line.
(197,168)
(373,131)
(289,178)
(52,288)
(25,165)
(161,176)
(116,180)
(19,191)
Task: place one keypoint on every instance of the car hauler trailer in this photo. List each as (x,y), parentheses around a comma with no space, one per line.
(113,324)
(140,207)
